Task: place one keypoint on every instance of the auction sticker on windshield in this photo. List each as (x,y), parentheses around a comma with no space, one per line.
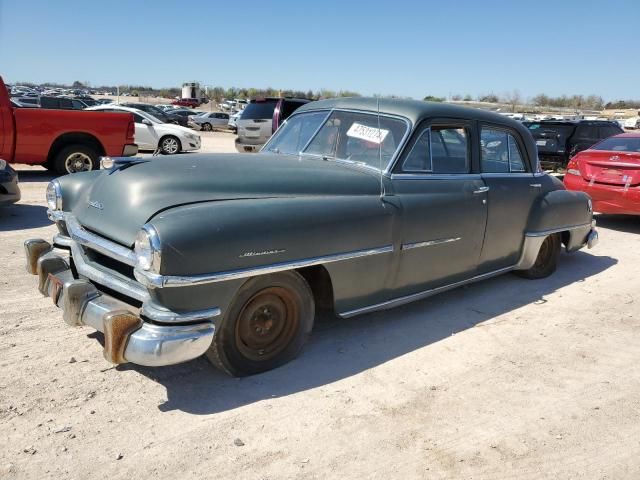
(370,134)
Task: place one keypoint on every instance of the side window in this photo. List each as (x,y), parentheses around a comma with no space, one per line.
(587,132)
(500,152)
(439,149)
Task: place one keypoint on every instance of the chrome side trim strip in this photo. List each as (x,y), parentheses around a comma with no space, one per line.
(435,176)
(409,246)
(98,243)
(153,280)
(544,233)
(421,295)
(109,279)
(160,314)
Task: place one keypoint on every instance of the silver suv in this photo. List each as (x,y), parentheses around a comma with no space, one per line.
(261,118)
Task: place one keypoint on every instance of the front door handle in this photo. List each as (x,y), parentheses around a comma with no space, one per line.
(481,190)
(535,185)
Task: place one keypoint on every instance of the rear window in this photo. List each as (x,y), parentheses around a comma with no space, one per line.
(619,144)
(537,128)
(259,110)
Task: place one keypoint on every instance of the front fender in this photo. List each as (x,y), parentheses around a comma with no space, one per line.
(239,234)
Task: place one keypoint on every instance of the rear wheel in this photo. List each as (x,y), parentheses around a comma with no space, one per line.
(170,145)
(266,325)
(547,259)
(76,158)
(207,127)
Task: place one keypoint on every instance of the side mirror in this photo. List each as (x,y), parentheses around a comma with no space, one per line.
(146,122)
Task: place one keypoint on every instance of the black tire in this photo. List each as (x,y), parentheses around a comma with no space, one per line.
(547,259)
(76,158)
(266,325)
(170,145)
(207,127)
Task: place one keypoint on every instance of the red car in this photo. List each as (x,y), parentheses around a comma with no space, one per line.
(186,102)
(609,172)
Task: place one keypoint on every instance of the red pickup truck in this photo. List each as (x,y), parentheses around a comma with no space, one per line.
(65,141)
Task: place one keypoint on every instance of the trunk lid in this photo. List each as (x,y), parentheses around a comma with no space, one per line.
(119,202)
(613,168)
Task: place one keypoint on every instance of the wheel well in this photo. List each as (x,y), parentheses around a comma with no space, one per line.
(565,237)
(319,281)
(74,139)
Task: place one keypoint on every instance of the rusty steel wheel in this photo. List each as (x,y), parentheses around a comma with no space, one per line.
(547,259)
(266,325)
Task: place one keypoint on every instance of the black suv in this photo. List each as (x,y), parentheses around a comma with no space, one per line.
(559,140)
(164,117)
(62,103)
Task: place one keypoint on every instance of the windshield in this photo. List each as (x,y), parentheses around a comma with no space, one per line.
(148,116)
(619,144)
(340,135)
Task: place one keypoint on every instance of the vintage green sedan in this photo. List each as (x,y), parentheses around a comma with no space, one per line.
(354,204)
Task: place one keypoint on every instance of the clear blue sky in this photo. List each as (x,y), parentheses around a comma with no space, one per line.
(408,48)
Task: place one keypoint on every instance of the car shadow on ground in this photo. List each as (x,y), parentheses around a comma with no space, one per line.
(341,348)
(620,223)
(32,175)
(23,216)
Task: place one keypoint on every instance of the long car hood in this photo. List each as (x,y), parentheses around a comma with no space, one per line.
(119,202)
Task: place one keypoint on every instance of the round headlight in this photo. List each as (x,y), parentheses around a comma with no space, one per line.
(147,249)
(106,163)
(54,195)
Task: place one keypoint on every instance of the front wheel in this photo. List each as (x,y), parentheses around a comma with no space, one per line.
(266,325)
(547,259)
(170,145)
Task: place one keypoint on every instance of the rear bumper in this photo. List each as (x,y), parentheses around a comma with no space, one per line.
(130,150)
(244,147)
(611,199)
(131,334)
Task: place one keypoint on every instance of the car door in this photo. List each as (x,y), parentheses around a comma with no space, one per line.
(146,135)
(443,207)
(512,190)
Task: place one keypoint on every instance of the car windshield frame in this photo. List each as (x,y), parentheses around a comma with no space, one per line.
(386,170)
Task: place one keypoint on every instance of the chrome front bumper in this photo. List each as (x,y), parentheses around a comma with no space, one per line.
(129,336)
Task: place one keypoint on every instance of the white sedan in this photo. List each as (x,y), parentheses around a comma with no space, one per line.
(152,134)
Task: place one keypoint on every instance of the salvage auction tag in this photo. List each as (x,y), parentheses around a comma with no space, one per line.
(370,134)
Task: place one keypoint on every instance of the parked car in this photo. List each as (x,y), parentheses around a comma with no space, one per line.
(63,141)
(261,118)
(207,121)
(558,141)
(62,103)
(152,134)
(25,102)
(183,112)
(9,190)
(187,102)
(233,121)
(357,204)
(609,172)
(164,117)
(632,123)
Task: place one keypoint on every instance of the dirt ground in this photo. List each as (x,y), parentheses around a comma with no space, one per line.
(505,379)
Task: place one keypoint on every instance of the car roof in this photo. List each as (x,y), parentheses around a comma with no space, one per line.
(413,110)
(627,135)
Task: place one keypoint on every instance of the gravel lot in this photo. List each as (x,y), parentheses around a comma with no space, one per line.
(508,378)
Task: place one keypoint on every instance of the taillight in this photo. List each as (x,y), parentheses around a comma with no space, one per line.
(131,130)
(572,167)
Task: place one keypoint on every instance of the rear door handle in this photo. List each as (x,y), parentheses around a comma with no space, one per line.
(481,190)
